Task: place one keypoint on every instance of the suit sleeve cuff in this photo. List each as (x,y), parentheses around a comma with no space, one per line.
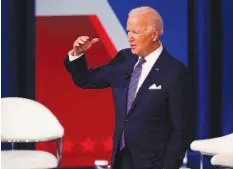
(71,57)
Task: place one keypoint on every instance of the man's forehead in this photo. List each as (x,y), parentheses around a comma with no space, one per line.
(140,21)
(136,18)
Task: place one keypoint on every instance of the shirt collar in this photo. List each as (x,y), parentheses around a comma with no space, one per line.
(153,56)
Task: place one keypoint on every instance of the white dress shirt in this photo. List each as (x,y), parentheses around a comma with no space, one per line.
(146,67)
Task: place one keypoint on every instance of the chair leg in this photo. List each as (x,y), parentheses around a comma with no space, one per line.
(201,161)
(185,160)
(12,145)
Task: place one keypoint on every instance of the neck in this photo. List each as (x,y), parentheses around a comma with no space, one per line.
(154,47)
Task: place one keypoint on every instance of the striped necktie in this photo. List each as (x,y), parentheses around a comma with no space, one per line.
(132,92)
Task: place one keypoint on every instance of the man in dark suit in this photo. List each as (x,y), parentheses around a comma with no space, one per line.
(151,91)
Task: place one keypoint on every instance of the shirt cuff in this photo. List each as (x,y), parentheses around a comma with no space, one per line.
(71,57)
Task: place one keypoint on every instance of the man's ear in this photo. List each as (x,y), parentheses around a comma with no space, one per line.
(155,34)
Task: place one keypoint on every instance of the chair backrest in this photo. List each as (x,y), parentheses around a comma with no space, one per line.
(27,120)
(212,146)
(224,160)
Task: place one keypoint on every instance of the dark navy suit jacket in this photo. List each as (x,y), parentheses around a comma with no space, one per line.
(158,128)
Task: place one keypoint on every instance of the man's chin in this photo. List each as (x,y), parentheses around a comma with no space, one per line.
(133,51)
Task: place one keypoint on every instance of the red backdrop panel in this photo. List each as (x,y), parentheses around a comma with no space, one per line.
(87,115)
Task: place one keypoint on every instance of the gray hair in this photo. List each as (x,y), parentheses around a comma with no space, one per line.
(155,20)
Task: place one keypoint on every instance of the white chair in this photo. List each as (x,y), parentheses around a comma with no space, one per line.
(223,160)
(23,121)
(213,146)
(185,161)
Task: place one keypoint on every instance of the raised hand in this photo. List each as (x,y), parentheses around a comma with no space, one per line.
(82,44)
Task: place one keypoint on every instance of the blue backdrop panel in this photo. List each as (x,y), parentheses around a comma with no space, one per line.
(174,14)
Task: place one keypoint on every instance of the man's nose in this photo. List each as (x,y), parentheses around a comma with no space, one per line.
(130,37)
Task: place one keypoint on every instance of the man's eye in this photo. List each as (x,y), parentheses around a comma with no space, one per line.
(133,32)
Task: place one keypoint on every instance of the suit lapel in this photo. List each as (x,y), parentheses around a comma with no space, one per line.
(151,78)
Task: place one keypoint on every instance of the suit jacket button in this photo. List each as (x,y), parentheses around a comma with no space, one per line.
(126,121)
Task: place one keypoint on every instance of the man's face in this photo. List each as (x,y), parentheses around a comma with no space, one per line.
(139,38)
